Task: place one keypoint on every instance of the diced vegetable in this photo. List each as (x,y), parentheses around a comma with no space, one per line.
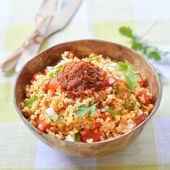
(109,82)
(54,70)
(105,116)
(52,114)
(30,101)
(98,124)
(130,105)
(42,125)
(140,119)
(51,84)
(144,96)
(77,137)
(89,134)
(83,110)
(112,82)
(112,112)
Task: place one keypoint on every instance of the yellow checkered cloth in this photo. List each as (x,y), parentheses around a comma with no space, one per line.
(98,19)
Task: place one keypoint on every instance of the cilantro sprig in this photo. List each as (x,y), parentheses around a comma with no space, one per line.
(138,44)
(84,109)
(131,77)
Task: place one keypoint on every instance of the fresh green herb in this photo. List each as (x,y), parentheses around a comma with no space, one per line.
(92,57)
(116,87)
(129,73)
(130,105)
(53,73)
(131,79)
(126,31)
(54,70)
(77,137)
(31,100)
(138,44)
(83,110)
(112,112)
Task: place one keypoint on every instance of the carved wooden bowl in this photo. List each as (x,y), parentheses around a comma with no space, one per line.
(83,48)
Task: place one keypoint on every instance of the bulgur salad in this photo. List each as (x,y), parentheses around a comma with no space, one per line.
(87,100)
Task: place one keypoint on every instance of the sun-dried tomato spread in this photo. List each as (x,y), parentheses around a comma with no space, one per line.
(76,77)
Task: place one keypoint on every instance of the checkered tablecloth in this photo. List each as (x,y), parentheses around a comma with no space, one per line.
(99,19)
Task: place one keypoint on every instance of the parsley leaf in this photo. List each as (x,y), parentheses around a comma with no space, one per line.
(126,31)
(138,44)
(112,112)
(84,109)
(129,83)
(30,101)
(131,77)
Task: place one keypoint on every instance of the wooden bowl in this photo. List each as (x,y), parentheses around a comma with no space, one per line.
(83,48)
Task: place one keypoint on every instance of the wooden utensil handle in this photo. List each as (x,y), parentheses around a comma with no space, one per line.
(11,60)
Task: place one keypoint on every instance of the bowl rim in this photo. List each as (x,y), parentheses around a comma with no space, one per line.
(157,103)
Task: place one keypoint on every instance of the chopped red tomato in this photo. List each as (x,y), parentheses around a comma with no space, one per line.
(140,119)
(98,124)
(109,82)
(105,116)
(146,96)
(42,125)
(51,84)
(144,83)
(90,134)
(35,75)
(112,82)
